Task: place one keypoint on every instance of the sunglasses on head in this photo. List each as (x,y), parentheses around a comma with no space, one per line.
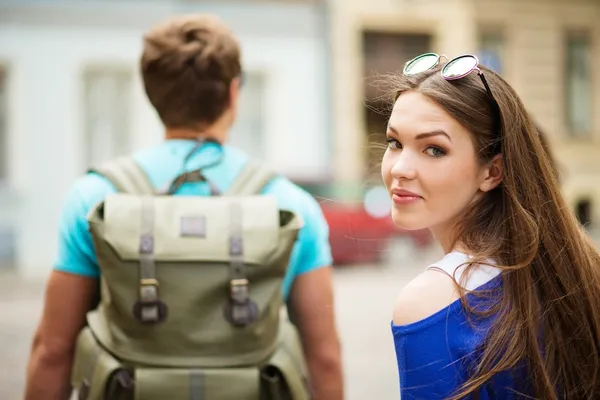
(454,69)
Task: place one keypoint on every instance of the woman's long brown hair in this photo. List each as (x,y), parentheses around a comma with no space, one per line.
(548,314)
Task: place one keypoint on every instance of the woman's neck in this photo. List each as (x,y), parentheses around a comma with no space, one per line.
(447,239)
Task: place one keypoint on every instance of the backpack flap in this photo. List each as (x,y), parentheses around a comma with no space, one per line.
(191,228)
(191,281)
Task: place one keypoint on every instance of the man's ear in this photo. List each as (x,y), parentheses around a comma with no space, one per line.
(234,92)
(493,174)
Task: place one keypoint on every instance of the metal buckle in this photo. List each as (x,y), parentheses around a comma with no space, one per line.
(148,290)
(239,290)
(239,282)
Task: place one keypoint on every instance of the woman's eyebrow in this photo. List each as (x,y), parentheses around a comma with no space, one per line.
(424,135)
(437,132)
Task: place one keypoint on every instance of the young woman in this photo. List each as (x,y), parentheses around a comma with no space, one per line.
(513,309)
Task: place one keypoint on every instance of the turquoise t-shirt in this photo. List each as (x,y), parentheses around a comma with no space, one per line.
(162,163)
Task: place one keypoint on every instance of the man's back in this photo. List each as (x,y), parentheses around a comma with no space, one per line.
(191,70)
(162,163)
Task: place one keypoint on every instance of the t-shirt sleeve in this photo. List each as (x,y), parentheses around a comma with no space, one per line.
(75,247)
(313,239)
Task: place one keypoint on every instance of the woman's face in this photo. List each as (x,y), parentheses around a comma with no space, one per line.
(429,168)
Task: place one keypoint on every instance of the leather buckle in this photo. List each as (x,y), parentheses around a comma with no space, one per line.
(149,308)
(239,290)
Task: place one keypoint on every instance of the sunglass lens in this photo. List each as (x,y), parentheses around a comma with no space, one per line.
(459,67)
(421,63)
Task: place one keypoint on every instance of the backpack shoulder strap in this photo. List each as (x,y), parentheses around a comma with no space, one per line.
(126,175)
(251,180)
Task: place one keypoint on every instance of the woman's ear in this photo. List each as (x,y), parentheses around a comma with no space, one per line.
(492,174)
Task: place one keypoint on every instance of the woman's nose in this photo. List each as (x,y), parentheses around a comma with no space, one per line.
(404,166)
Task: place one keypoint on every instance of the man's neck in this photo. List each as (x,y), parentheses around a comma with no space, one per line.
(216,131)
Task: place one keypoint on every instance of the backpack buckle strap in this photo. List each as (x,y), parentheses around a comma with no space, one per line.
(240,309)
(149,308)
(239,290)
(148,290)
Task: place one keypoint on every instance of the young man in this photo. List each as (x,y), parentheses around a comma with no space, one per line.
(191,72)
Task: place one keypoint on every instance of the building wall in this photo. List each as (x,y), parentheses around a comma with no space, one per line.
(534,54)
(47,49)
(451,24)
(535,32)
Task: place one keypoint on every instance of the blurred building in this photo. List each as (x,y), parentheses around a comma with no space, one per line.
(546,49)
(71,96)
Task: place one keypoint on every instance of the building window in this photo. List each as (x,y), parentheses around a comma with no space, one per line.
(583,210)
(491,50)
(383,53)
(107,111)
(249,128)
(3,125)
(578,85)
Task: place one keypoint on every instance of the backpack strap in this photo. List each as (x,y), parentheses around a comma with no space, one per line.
(126,175)
(253,178)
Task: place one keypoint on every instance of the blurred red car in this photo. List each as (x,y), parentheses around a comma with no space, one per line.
(360,230)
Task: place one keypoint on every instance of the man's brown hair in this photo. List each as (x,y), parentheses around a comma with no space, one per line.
(187,66)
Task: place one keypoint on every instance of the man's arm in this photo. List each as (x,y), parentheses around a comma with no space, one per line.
(71,291)
(312,311)
(310,300)
(68,298)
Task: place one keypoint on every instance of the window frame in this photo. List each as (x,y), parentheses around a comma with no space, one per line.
(501,33)
(89,70)
(572,132)
(260,142)
(5,127)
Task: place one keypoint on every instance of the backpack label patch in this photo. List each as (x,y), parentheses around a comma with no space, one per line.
(193,226)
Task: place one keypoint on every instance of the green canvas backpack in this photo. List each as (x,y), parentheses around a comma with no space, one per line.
(191,294)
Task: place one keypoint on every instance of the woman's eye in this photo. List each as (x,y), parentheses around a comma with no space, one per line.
(393,144)
(435,151)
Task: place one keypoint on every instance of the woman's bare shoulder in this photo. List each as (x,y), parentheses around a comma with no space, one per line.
(428,293)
